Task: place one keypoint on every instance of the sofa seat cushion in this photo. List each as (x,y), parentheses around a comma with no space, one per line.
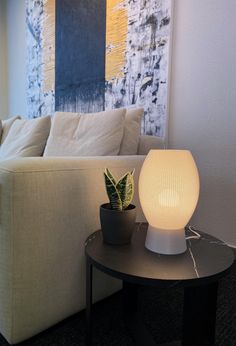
(94,134)
(26,138)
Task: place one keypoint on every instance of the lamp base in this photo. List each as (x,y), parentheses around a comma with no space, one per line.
(166,242)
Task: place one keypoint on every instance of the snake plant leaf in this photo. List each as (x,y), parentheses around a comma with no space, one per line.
(112,192)
(110,175)
(125,187)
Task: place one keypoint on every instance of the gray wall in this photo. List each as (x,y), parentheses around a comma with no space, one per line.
(3,61)
(16,57)
(203,106)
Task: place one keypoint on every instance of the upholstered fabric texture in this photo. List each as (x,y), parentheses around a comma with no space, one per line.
(147,143)
(49,207)
(6,125)
(132,129)
(26,138)
(94,134)
(0,129)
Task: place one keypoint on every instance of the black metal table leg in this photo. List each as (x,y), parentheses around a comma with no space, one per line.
(132,317)
(200,315)
(129,299)
(89,301)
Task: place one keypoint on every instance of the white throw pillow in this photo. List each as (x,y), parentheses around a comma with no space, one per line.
(6,125)
(132,129)
(93,134)
(26,138)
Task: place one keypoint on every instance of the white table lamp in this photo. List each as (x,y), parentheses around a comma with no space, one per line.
(168,191)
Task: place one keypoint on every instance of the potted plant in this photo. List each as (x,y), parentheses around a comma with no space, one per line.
(118,217)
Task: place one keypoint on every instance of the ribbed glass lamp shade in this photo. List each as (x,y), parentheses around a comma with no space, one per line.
(168,191)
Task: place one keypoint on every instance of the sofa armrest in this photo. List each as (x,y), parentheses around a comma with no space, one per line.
(147,143)
(49,206)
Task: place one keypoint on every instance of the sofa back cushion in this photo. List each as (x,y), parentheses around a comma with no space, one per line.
(6,125)
(94,134)
(132,129)
(146,143)
(0,128)
(26,138)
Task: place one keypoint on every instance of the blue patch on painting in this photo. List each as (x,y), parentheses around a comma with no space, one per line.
(80,55)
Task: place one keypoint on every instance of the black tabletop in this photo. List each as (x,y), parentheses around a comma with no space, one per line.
(206,259)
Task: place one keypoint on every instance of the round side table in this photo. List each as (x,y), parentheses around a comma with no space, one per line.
(198,270)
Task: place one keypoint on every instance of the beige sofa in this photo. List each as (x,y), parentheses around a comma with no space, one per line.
(49,206)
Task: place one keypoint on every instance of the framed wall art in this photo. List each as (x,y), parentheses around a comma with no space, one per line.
(88,56)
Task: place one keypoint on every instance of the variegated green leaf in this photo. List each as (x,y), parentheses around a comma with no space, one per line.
(125,188)
(129,191)
(121,188)
(110,175)
(112,192)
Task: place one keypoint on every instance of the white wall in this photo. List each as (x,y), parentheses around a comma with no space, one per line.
(16,57)
(203,99)
(203,106)
(3,61)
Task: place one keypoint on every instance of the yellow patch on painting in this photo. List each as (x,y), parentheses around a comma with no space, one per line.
(48,45)
(116,34)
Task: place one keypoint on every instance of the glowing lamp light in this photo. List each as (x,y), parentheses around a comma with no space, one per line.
(168,190)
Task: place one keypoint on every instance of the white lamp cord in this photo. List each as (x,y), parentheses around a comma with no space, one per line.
(196,236)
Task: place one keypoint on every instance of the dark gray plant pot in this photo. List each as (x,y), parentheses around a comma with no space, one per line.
(117,226)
